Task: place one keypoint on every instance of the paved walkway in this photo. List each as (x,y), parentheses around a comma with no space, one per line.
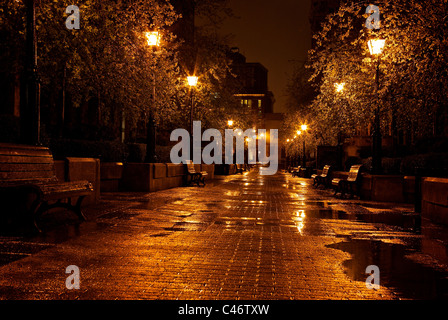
(240,237)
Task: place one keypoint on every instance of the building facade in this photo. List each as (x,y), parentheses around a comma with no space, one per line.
(253,94)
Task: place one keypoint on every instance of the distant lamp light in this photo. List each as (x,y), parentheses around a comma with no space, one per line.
(288,140)
(304,127)
(153,38)
(192,81)
(230,123)
(340,86)
(299,132)
(376,46)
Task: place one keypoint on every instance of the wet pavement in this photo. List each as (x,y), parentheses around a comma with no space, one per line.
(240,237)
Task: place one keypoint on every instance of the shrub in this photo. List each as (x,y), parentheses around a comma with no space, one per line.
(389,165)
(350,162)
(137,152)
(428,162)
(163,154)
(9,128)
(106,151)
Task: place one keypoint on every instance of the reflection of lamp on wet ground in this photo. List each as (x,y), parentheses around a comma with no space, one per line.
(300,218)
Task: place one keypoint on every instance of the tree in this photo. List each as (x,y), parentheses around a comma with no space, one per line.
(207,57)
(412,69)
(107,58)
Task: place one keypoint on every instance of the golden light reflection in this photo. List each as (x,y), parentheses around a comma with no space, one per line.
(300,220)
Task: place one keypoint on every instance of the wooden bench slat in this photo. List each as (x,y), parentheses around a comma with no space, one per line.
(25,159)
(25,175)
(25,167)
(10,151)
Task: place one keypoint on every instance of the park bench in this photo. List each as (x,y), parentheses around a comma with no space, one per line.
(348,185)
(195,176)
(324,178)
(295,171)
(30,172)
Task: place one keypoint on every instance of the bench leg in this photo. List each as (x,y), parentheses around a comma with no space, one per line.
(35,212)
(336,190)
(78,210)
(343,189)
(44,206)
(189,180)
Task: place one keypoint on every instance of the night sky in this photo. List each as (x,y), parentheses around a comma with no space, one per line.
(275,33)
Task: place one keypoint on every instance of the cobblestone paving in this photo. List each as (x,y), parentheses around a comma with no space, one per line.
(241,237)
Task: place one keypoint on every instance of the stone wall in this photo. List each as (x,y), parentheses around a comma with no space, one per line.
(151,177)
(75,169)
(435,199)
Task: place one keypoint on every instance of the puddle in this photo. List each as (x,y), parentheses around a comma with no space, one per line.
(404,221)
(161,234)
(188,226)
(366,212)
(407,277)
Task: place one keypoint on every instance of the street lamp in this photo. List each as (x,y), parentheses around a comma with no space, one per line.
(376,47)
(304,127)
(230,123)
(153,40)
(339,87)
(31,94)
(192,82)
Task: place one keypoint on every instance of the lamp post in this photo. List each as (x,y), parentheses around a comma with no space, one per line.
(192,82)
(153,40)
(299,133)
(376,47)
(31,94)
(304,127)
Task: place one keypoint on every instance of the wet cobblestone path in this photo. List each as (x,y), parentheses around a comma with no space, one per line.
(240,237)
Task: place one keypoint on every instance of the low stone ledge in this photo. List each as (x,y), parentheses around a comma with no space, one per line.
(111,175)
(85,169)
(137,177)
(175,170)
(435,199)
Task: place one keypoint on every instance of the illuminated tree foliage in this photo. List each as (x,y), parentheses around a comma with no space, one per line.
(109,61)
(413,69)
